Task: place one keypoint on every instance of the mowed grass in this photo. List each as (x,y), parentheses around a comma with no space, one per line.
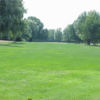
(49,71)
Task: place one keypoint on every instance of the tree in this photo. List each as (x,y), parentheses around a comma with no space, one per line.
(44,35)
(34,30)
(69,34)
(27,33)
(51,33)
(36,27)
(88,27)
(11,16)
(58,35)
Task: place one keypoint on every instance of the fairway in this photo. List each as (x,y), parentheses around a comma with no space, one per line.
(49,71)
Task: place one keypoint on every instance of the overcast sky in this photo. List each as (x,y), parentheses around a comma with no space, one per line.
(59,13)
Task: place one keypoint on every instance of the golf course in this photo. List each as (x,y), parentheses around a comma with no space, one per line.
(49,71)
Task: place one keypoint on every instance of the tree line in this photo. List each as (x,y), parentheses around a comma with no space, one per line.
(13,26)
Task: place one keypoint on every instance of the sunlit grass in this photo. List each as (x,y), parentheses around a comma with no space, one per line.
(49,71)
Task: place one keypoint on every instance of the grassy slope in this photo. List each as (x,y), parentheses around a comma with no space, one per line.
(49,71)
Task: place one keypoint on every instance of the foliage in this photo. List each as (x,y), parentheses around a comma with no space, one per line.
(69,34)
(11,16)
(85,28)
(34,30)
(58,35)
(88,27)
(51,33)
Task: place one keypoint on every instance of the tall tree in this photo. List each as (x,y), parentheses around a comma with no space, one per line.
(78,24)
(58,35)
(34,30)
(70,35)
(44,35)
(11,16)
(51,33)
(27,33)
(36,26)
(88,27)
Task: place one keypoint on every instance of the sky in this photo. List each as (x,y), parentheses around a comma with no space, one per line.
(59,13)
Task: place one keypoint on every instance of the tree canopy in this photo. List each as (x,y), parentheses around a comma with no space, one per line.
(86,28)
(11,16)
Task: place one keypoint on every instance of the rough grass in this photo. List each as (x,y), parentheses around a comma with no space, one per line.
(49,71)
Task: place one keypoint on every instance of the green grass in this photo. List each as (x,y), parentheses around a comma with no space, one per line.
(49,71)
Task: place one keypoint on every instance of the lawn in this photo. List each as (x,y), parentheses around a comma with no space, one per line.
(49,71)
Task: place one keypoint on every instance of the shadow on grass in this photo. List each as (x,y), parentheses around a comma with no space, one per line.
(96,45)
(12,44)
